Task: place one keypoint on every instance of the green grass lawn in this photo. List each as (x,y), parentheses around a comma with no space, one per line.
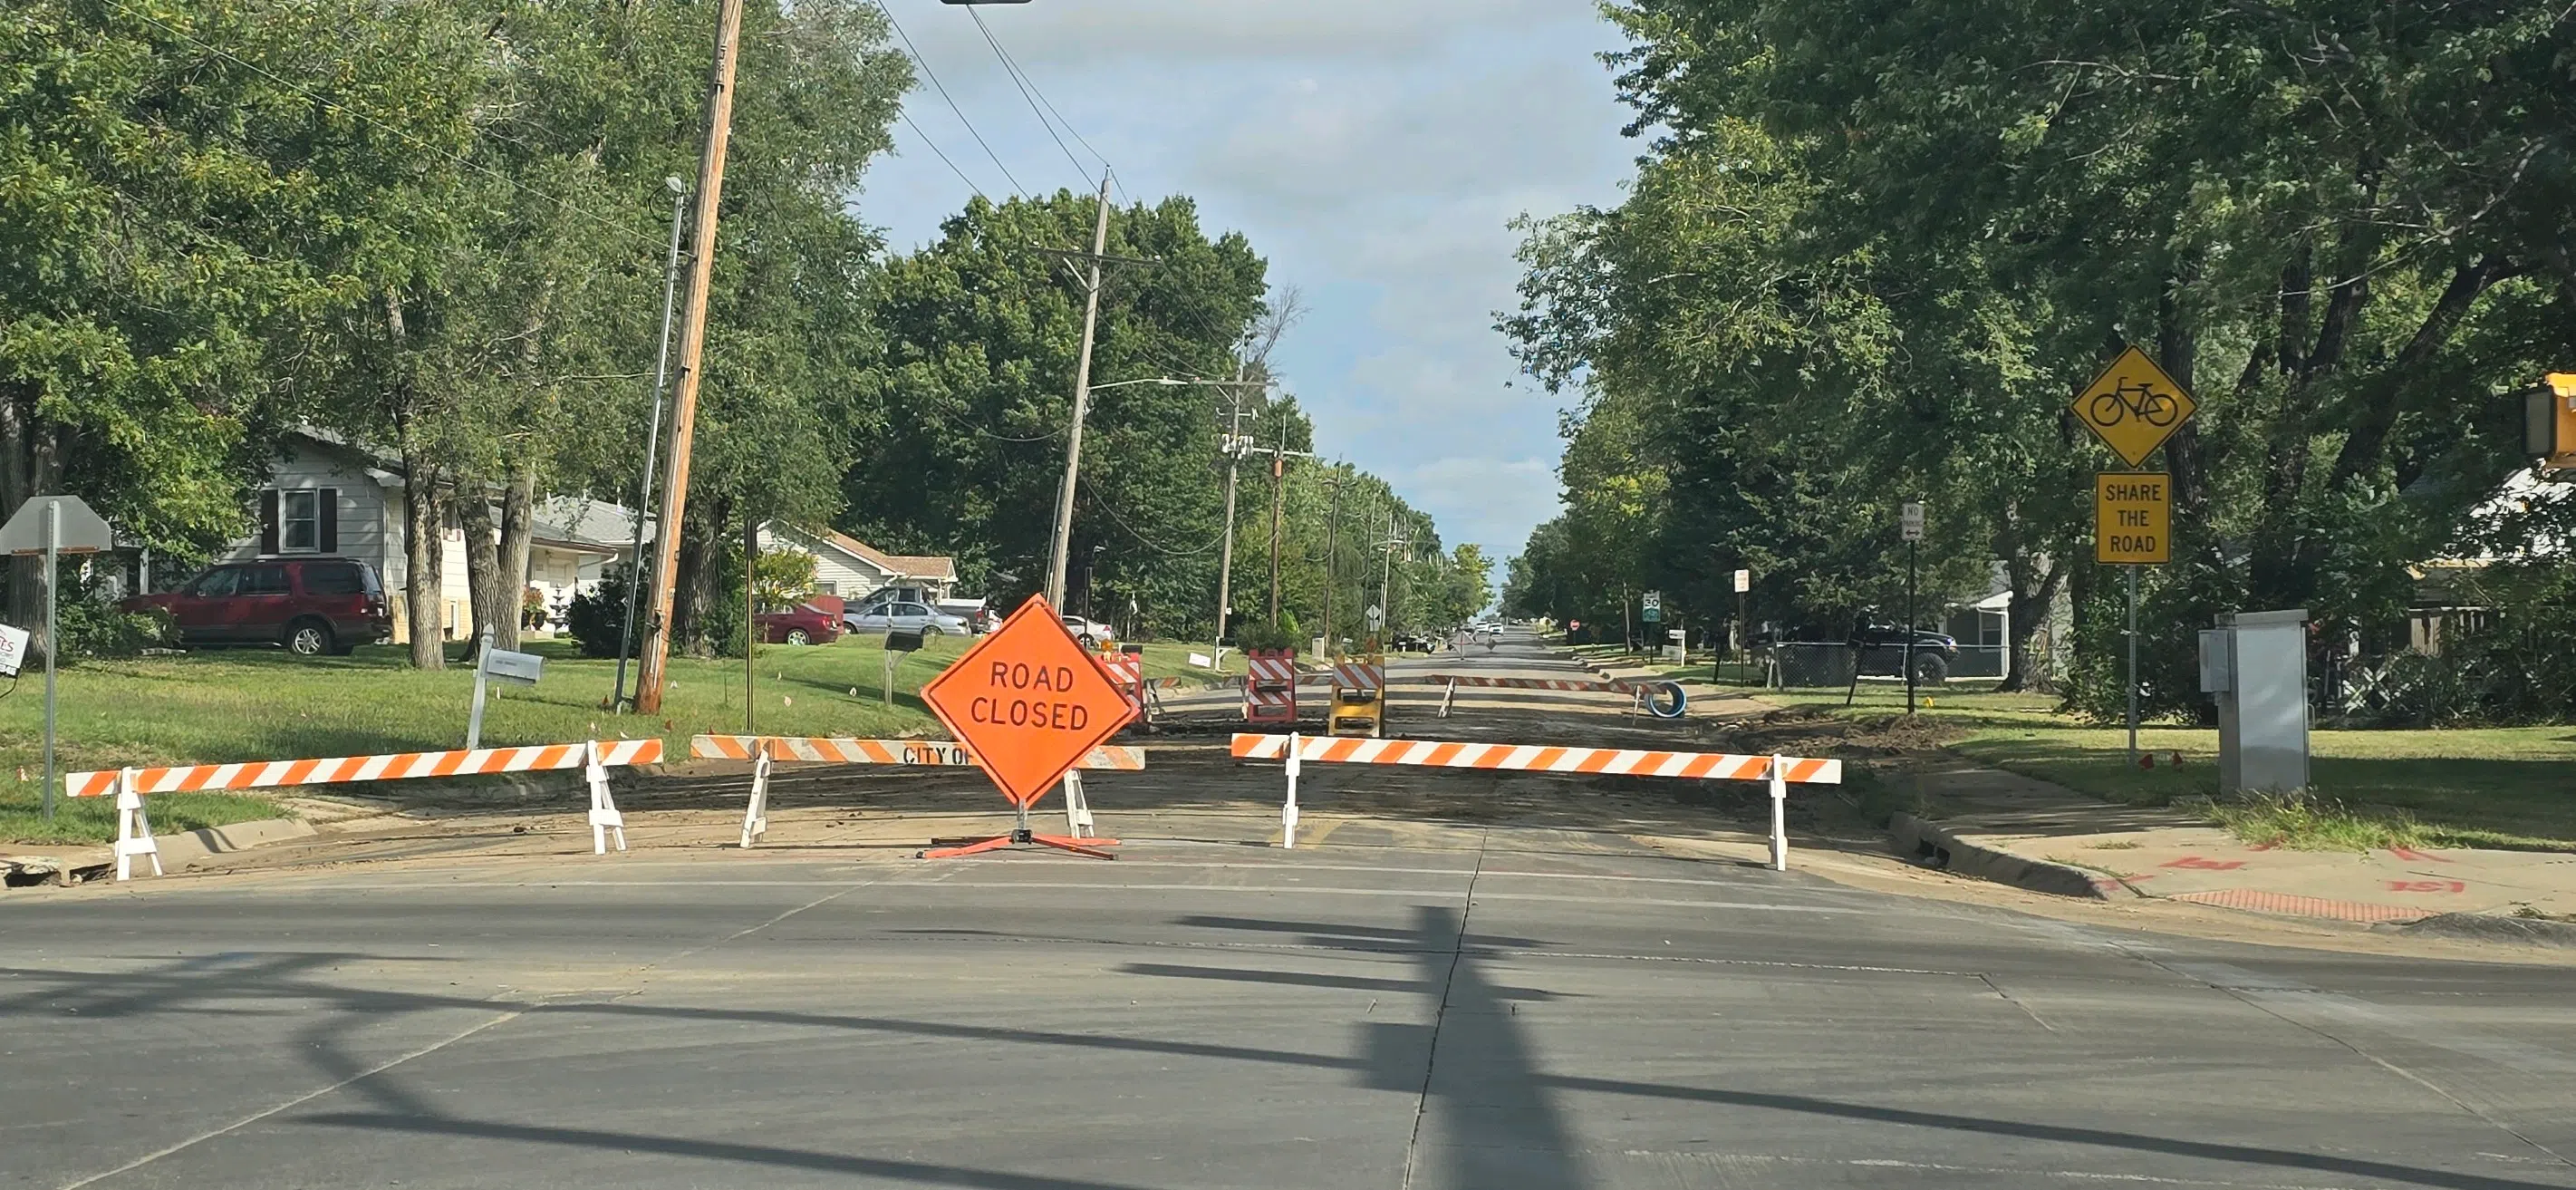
(262,704)
(93,819)
(2469,787)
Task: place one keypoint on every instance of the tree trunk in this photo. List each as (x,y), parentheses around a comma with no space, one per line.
(2030,610)
(424,515)
(18,483)
(518,529)
(424,557)
(490,599)
(38,450)
(694,592)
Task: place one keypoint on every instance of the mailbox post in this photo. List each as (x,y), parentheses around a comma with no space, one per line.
(497,665)
(2256,664)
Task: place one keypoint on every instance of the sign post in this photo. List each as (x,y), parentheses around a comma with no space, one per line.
(896,645)
(1031,702)
(1743,630)
(2133,406)
(1913,527)
(53,526)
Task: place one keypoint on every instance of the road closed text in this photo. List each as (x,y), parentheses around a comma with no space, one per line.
(2132,518)
(1030,696)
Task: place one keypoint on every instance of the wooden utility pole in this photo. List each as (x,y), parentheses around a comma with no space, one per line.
(1063,542)
(693,340)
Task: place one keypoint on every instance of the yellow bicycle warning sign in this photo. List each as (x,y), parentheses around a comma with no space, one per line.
(2133,406)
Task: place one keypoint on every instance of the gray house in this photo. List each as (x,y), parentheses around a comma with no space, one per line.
(326,497)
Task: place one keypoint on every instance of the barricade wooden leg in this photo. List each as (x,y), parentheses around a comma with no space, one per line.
(1288,812)
(605,821)
(1779,814)
(1077,809)
(755,815)
(1448,697)
(133,828)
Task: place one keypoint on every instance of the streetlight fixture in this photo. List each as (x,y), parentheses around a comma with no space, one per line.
(652,437)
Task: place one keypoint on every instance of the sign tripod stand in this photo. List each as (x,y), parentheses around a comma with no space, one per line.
(1022,834)
(1031,702)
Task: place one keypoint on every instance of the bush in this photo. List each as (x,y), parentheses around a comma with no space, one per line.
(597,614)
(1277,636)
(96,628)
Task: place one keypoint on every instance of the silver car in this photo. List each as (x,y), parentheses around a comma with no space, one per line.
(1092,633)
(904,616)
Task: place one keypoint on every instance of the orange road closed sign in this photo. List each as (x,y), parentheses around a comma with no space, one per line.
(2132,518)
(1030,702)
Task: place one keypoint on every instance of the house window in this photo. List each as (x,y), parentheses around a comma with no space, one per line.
(299,521)
(827,588)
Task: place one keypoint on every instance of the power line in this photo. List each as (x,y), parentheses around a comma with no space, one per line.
(1027,87)
(915,53)
(1149,542)
(943,158)
(363,117)
(1014,64)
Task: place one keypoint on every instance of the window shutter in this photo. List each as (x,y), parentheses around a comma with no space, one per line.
(268,521)
(327,514)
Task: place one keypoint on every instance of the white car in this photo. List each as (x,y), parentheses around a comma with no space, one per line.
(905,616)
(1092,633)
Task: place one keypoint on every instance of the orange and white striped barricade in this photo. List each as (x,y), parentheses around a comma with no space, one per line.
(1644,691)
(1358,706)
(1270,687)
(764,751)
(1127,672)
(1779,771)
(1453,681)
(134,826)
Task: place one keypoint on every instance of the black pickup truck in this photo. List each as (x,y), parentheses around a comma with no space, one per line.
(1881,647)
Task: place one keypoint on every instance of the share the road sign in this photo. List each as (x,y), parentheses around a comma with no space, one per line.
(2133,406)
(2132,518)
(1030,702)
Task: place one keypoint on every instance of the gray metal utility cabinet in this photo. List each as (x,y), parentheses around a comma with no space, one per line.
(2256,663)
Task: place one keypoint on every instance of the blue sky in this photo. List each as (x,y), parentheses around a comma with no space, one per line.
(1373,150)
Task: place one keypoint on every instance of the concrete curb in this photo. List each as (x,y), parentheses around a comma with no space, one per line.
(1916,839)
(182,848)
(2484,927)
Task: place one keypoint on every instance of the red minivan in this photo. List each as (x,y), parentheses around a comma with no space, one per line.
(313,607)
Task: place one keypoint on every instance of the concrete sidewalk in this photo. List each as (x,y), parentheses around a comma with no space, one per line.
(2027,832)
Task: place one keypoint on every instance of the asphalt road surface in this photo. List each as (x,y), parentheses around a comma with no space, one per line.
(1474,1015)
(1462,980)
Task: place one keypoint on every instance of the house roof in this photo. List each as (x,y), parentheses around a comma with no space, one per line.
(900,565)
(594,524)
(925,568)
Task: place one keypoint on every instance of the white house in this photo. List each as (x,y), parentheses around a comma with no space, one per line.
(849,568)
(329,498)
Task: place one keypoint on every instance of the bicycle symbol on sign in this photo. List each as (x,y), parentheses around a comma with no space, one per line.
(2141,400)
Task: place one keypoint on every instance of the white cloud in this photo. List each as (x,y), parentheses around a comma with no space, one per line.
(1158,34)
(1491,502)
(1373,151)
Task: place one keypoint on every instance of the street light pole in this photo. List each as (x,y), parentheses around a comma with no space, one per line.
(1332,556)
(652,439)
(1081,403)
